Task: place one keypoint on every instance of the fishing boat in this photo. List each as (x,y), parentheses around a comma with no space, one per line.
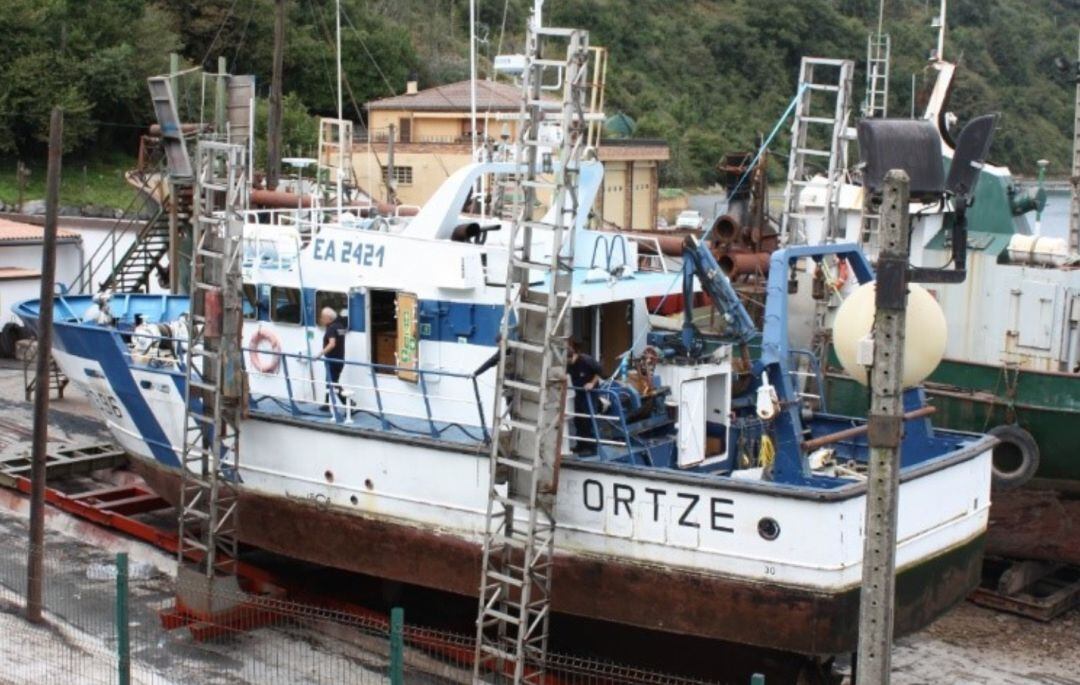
(706,476)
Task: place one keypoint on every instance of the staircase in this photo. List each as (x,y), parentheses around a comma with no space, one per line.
(515,586)
(817,142)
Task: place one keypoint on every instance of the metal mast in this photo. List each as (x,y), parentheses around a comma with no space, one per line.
(817,123)
(214,371)
(515,586)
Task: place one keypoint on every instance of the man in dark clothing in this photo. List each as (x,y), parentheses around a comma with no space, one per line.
(333,349)
(584,372)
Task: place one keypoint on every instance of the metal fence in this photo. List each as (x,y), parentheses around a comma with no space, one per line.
(109,619)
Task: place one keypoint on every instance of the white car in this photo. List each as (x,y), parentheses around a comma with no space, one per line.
(689,219)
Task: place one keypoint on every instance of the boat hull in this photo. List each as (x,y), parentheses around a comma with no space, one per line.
(1040,520)
(722,608)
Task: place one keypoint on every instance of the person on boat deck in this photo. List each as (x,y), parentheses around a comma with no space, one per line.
(584,372)
(333,349)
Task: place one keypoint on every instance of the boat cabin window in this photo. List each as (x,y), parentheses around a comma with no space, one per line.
(251,302)
(384,325)
(285,305)
(339,302)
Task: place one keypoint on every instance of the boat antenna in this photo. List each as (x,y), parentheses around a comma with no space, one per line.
(472,73)
(340,107)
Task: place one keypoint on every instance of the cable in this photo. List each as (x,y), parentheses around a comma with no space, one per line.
(370,56)
(228,15)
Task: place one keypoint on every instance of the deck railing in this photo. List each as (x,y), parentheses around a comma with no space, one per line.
(435,426)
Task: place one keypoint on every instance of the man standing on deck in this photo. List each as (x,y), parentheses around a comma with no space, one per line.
(333,350)
(584,372)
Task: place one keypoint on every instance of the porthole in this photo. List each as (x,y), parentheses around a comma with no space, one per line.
(768,528)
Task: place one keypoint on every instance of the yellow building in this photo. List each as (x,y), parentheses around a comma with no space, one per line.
(432,138)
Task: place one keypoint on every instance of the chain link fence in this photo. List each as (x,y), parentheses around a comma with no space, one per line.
(109,619)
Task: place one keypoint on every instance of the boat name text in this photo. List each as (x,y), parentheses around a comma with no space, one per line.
(691,507)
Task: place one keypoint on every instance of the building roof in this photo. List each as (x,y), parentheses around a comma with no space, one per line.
(454,97)
(15,273)
(18,231)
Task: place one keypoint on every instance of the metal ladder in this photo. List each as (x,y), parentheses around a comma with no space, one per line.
(813,124)
(878,51)
(515,586)
(213,365)
(335,153)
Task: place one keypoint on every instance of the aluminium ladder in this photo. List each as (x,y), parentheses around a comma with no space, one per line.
(818,131)
(213,367)
(878,51)
(515,586)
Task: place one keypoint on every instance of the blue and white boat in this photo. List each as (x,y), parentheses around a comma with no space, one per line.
(698,511)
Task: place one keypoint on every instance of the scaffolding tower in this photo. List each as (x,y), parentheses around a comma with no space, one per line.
(214,374)
(515,586)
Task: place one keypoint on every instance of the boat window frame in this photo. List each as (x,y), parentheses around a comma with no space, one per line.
(272,314)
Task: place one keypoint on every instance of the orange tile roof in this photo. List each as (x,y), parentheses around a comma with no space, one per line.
(454,97)
(17,231)
(12,273)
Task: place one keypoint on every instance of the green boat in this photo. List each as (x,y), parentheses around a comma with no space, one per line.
(1012,363)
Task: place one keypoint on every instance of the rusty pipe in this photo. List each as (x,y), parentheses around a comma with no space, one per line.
(742,263)
(726,228)
(855,432)
(278,199)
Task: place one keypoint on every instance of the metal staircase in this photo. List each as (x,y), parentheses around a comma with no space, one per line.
(213,368)
(878,50)
(817,142)
(515,586)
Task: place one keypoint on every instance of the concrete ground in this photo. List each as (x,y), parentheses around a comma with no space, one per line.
(970,645)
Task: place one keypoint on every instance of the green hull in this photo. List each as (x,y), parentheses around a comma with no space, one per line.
(977,397)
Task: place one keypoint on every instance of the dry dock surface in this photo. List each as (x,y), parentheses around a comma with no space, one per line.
(969,646)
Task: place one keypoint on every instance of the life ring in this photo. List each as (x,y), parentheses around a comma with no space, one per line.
(267,363)
(1015,458)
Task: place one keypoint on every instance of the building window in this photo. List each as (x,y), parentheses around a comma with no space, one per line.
(251,302)
(402,175)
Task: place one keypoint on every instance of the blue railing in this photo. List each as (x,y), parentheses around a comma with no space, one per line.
(434,426)
(599,418)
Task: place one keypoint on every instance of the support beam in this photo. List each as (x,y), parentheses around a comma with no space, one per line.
(886,422)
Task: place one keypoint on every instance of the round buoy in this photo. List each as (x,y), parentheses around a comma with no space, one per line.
(924,333)
(1015,457)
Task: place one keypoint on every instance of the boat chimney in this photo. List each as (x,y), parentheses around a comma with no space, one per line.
(411,84)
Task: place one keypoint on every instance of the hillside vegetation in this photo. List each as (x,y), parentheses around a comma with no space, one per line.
(705,75)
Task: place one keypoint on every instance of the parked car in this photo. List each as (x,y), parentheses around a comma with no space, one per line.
(690,219)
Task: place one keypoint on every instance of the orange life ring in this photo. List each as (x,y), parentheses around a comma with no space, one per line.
(268,363)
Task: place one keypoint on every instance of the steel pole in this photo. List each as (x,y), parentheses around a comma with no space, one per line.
(35,559)
(886,424)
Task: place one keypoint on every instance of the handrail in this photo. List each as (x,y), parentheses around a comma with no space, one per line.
(84,280)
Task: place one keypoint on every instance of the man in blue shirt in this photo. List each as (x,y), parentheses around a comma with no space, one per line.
(585,375)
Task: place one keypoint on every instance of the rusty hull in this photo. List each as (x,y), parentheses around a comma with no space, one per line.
(655,598)
(1038,521)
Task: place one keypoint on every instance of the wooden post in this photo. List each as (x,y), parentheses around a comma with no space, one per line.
(886,424)
(35,558)
(273,124)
